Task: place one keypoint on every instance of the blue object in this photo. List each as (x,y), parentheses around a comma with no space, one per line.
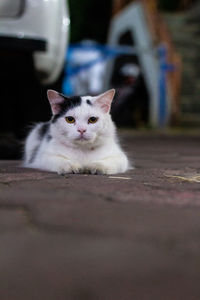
(107,53)
(164,68)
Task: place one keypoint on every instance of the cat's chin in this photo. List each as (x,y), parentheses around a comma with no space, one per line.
(85,138)
(84,141)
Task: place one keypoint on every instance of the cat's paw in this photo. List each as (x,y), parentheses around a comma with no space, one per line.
(101,169)
(69,169)
(77,171)
(62,171)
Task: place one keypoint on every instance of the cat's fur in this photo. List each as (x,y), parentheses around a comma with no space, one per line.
(80,147)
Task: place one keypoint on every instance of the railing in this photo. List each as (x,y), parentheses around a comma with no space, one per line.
(161,35)
(107,53)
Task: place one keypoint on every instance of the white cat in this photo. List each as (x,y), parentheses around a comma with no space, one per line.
(80,137)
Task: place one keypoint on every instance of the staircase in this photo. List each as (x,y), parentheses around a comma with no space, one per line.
(185,31)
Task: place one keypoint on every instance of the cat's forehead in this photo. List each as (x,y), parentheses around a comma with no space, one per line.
(88,100)
(85,106)
(76,101)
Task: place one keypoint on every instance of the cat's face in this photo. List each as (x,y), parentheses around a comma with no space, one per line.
(83,123)
(82,120)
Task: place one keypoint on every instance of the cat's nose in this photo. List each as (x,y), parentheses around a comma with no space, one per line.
(81,130)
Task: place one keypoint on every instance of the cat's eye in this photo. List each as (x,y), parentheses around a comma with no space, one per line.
(92,120)
(70,120)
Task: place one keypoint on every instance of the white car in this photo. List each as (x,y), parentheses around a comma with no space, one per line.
(40,27)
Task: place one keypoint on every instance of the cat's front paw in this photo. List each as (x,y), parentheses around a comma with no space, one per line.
(101,169)
(69,169)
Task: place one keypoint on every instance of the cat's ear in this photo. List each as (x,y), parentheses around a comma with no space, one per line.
(55,100)
(104,100)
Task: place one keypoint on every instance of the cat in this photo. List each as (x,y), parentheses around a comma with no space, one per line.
(79,138)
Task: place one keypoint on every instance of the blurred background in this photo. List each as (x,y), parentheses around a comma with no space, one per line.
(148,50)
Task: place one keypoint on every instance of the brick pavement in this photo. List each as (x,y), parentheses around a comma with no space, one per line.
(88,237)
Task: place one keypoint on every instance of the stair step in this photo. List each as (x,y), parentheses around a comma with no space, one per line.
(185,32)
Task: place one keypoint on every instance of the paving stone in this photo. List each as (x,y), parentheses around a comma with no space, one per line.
(84,237)
(12,219)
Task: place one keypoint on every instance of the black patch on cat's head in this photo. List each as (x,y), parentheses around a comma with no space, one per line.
(89,102)
(69,103)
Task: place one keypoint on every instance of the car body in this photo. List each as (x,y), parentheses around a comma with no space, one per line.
(40,27)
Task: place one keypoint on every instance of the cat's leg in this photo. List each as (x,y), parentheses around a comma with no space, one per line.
(110,165)
(55,163)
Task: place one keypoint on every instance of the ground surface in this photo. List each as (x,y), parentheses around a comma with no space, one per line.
(85,237)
